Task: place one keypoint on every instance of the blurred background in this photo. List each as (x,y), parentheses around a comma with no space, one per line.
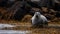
(17,9)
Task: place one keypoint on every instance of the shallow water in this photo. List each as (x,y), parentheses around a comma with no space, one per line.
(6,25)
(13,32)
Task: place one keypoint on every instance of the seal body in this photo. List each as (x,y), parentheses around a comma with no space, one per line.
(39,20)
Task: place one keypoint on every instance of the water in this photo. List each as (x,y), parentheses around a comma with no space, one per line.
(13,32)
(6,25)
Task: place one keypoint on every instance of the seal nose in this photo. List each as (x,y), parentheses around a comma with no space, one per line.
(36,16)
